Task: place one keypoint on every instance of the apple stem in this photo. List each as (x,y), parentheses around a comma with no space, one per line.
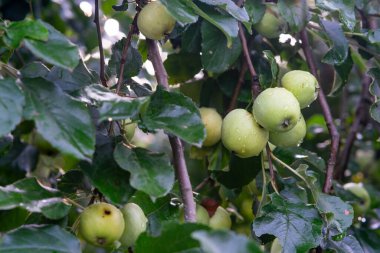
(326,113)
(175,142)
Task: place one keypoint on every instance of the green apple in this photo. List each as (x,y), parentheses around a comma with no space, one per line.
(276,246)
(242,135)
(291,138)
(129,128)
(213,125)
(202,216)
(359,191)
(221,219)
(271,26)
(246,209)
(154,21)
(101,224)
(303,85)
(276,109)
(135,224)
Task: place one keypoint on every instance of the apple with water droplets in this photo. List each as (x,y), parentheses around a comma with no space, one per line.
(276,109)
(213,125)
(291,138)
(242,135)
(271,25)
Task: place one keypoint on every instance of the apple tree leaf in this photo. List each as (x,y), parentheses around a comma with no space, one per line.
(217,241)
(175,114)
(181,10)
(345,8)
(297,226)
(41,239)
(64,122)
(296,13)
(339,51)
(216,56)
(19,30)
(57,50)
(349,244)
(151,172)
(11,105)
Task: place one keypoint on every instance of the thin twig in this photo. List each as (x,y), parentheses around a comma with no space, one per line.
(247,57)
(101,50)
(271,170)
(132,30)
(238,86)
(202,184)
(326,113)
(175,142)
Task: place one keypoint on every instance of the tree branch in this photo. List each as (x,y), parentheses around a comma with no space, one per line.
(175,142)
(101,50)
(132,30)
(326,113)
(238,86)
(247,57)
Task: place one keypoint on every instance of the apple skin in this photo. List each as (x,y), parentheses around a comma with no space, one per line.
(303,85)
(242,135)
(221,219)
(359,191)
(135,224)
(213,125)
(202,216)
(270,26)
(276,109)
(101,224)
(154,21)
(276,246)
(291,138)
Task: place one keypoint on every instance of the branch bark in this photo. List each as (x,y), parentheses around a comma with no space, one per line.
(175,142)
(100,43)
(326,113)
(238,86)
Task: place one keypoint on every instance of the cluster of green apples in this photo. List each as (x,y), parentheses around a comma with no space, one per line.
(103,224)
(219,220)
(276,117)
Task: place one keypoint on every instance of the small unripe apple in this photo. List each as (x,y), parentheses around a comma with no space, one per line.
(359,191)
(101,224)
(276,246)
(129,128)
(135,224)
(221,219)
(291,138)
(213,125)
(202,216)
(242,135)
(154,21)
(276,109)
(271,26)
(303,85)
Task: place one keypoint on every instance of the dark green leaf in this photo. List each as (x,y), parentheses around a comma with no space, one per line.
(295,13)
(338,214)
(241,171)
(57,50)
(151,172)
(181,10)
(343,71)
(191,38)
(176,114)
(105,174)
(11,104)
(339,51)
(173,238)
(227,82)
(40,239)
(374,110)
(225,241)
(56,211)
(35,69)
(297,226)
(229,6)
(29,194)
(349,244)
(289,155)
(72,181)
(11,219)
(255,9)
(369,239)
(216,56)
(121,7)
(65,123)
(19,30)
(133,61)
(374,88)
(219,158)
(346,9)
(182,67)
